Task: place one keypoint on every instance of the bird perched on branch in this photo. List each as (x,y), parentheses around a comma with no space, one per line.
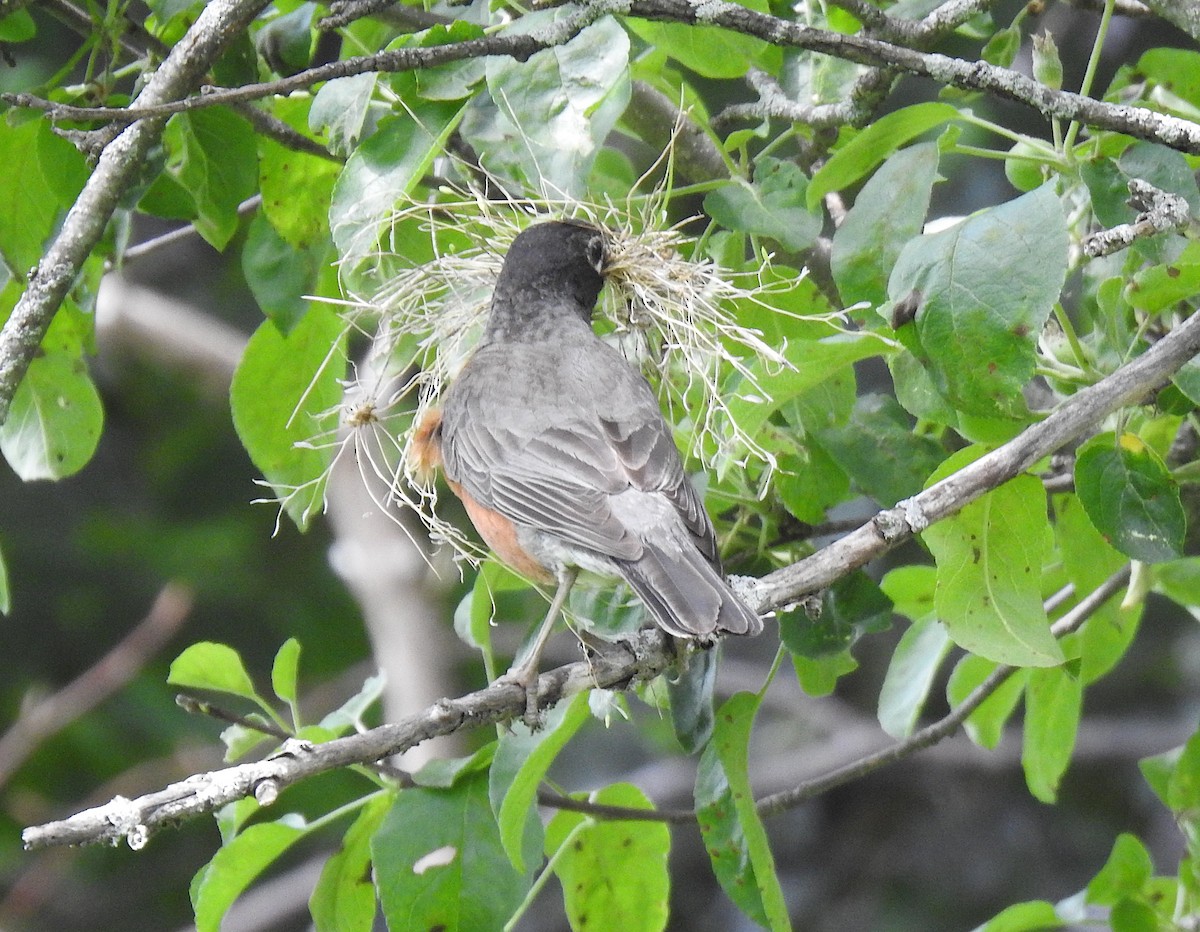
(562,458)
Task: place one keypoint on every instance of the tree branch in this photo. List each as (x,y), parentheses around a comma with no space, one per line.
(946,726)
(134,820)
(1160,212)
(217,25)
(503,702)
(1138,122)
(1070,421)
(1002,82)
(1182,13)
(520,46)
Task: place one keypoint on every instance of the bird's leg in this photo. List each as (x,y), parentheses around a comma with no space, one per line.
(525,673)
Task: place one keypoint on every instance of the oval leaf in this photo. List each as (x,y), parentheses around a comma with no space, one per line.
(1131,498)
(54,424)
(218,667)
(439,862)
(587,854)
(283,393)
(977,323)
(989,560)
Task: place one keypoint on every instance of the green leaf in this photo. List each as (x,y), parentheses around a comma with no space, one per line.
(17,27)
(279,274)
(610,611)
(552,112)
(1176,70)
(1125,873)
(296,187)
(1183,788)
(1053,702)
(977,324)
(1164,286)
(809,481)
(342,109)
(1157,769)
(1001,49)
(384,170)
(862,153)
(522,759)
(452,80)
(880,451)
(772,206)
(810,363)
(850,607)
(691,695)
(235,866)
(911,589)
(1130,497)
(63,166)
(349,715)
(1034,916)
(442,773)
(285,673)
(27,202)
(56,417)
(285,391)
(213,155)
(888,212)
(989,559)
(286,41)
(910,675)
(613,873)
(213,666)
(985,726)
(1089,561)
(344,897)
(1133,916)
(709,50)
(733,833)
(1187,380)
(240,740)
(439,862)
(819,675)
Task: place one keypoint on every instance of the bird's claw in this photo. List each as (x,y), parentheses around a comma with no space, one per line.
(527,678)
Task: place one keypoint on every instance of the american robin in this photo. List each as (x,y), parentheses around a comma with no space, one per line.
(561,456)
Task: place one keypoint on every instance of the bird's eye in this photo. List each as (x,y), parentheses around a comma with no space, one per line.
(595,253)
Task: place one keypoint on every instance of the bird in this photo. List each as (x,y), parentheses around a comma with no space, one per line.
(562,458)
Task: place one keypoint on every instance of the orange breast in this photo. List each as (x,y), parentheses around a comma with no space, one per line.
(499,533)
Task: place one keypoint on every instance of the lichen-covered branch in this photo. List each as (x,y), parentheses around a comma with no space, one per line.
(649,654)
(1072,420)
(218,24)
(1159,212)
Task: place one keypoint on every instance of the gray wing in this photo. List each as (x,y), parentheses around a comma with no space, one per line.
(560,479)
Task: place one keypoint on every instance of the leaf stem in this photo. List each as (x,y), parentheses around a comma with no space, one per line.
(1085,88)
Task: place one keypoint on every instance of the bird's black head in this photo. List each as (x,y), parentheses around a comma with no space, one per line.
(552,270)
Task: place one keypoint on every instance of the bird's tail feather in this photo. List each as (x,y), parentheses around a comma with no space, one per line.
(686,594)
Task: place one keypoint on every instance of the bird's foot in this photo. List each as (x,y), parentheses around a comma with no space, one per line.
(526,676)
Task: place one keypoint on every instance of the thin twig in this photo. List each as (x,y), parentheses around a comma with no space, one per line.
(944,727)
(1159,212)
(1138,122)
(269,125)
(141,250)
(134,820)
